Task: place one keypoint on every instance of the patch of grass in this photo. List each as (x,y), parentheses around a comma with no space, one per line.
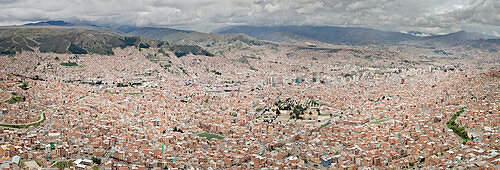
(379,121)
(24,86)
(183,50)
(76,49)
(324,125)
(15,99)
(210,136)
(63,164)
(460,131)
(135,93)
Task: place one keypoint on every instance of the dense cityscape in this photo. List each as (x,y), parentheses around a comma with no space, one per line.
(343,116)
(93,95)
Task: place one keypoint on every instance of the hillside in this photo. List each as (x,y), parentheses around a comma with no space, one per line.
(353,35)
(79,40)
(151,32)
(49,39)
(190,37)
(327,34)
(459,38)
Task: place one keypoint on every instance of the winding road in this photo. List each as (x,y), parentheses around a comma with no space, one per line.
(25,125)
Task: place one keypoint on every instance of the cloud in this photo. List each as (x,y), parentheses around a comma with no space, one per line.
(423,15)
(496,34)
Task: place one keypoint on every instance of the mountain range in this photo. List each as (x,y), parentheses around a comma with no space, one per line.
(64,37)
(351,35)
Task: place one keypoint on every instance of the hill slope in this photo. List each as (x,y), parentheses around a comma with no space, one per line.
(351,35)
(49,39)
(327,34)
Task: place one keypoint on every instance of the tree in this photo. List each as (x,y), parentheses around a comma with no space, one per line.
(96,160)
(24,86)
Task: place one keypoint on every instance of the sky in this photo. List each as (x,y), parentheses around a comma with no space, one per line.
(431,16)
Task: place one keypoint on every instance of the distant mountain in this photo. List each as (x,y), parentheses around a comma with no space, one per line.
(163,34)
(82,38)
(253,35)
(134,29)
(493,45)
(15,39)
(327,34)
(74,27)
(352,35)
(185,37)
(54,23)
(53,39)
(456,38)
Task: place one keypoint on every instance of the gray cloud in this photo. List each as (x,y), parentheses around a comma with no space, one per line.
(434,16)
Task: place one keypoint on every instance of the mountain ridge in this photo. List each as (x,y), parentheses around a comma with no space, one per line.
(288,34)
(349,35)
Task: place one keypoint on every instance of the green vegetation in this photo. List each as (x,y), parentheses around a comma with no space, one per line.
(128,84)
(68,64)
(81,97)
(16,40)
(63,164)
(76,50)
(143,45)
(258,109)
(210,136)
(253,68)
(40,164)
(135,93)
(379,121)
(183,50)
(24,86)
(313,103)
(128,41)
(296,108)
(243,60)
(460,131)
(324,125)
(183,70)
(15,99)
(297,111)
(91,83)
(96,160)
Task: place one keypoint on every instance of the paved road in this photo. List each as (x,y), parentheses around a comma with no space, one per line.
(26,124)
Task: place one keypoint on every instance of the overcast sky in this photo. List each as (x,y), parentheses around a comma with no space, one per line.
(433,16)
